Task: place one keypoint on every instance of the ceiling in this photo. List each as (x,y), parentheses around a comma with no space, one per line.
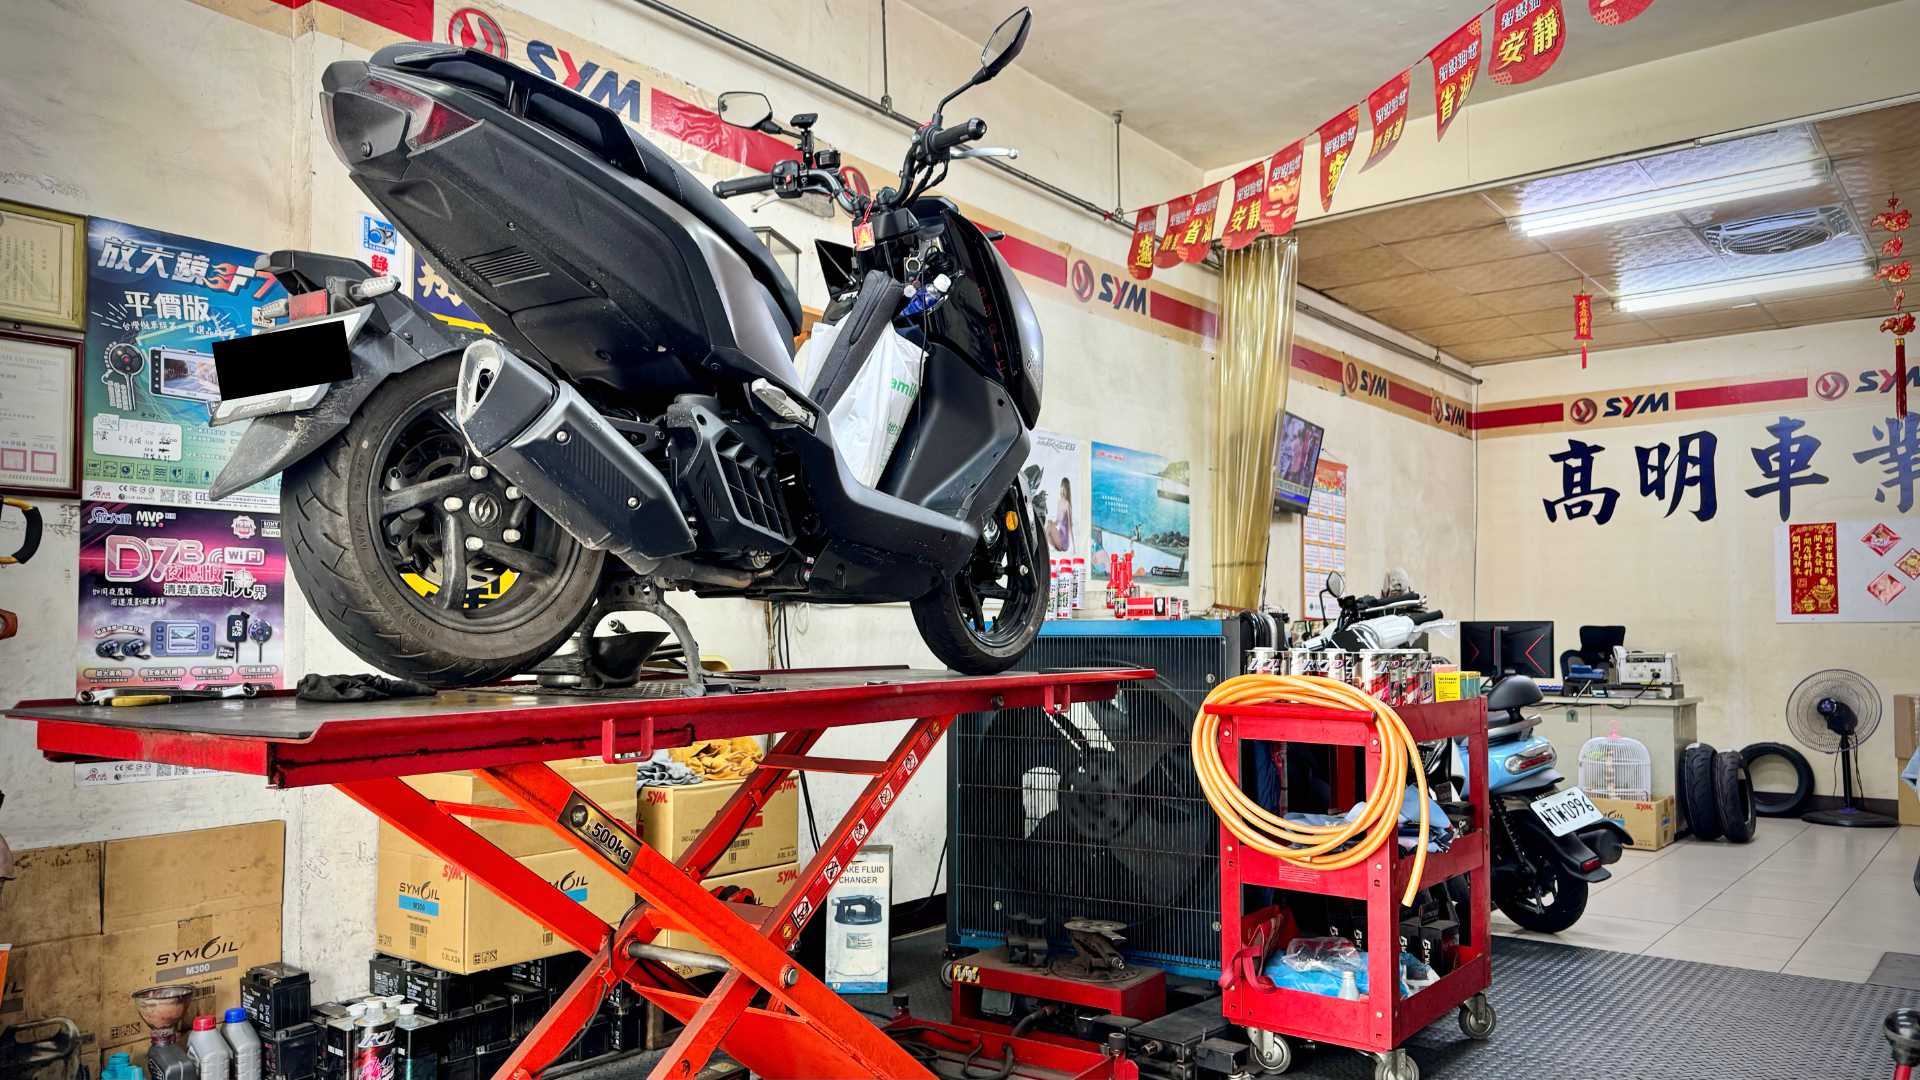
(1457,273)
(1288,65)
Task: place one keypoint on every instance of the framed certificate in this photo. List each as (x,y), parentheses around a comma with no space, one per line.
(42,266)
(39,414)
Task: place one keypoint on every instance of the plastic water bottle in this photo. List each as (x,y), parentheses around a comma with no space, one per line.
(1349,987)
(210,1051)
(245,1043)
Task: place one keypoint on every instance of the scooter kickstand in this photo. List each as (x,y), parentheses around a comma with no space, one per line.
(647,598)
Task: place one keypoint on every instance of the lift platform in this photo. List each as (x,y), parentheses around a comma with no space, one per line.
(506,734)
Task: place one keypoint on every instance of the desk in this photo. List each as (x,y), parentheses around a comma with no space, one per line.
(1666,726)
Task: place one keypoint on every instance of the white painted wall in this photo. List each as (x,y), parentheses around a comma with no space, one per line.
(1704,590)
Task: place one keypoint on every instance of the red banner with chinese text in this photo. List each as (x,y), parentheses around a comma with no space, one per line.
(1140,252)
(1243,220)
(1178,211)
(1528,36)
(1387,110)
(1198,239)
(1615,12)
(1583,323)
(1813,552)
(1282,204)
(1456,63)
(1336,146)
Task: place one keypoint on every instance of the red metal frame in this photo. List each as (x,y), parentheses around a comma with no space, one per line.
(801,1029)
(1383,1020)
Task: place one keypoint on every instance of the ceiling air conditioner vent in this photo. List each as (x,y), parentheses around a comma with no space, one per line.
(1778,234)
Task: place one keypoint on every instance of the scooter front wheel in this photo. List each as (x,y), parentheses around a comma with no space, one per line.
(981,620)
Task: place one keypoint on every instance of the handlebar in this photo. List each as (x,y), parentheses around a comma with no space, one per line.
(947,138)
(743,185)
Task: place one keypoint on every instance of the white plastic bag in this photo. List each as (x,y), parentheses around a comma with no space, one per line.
(867,420)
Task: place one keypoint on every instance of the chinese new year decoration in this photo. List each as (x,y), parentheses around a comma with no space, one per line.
(1895,220)
(1520,40)
(1583,323)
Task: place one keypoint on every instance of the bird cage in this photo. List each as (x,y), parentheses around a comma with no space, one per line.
(1615,767)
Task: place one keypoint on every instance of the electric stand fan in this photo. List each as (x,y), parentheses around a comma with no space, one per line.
(1834,711)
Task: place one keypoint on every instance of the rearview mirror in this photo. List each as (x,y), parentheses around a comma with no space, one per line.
(1005,44)
(745,108)
(1337,583)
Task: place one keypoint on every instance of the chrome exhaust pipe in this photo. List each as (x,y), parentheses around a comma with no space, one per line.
(557,449)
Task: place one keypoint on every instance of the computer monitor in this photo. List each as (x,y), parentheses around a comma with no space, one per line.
(1508,648)
(1598,642)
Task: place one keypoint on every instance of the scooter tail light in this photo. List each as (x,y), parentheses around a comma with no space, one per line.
(1531,759)
(428,121)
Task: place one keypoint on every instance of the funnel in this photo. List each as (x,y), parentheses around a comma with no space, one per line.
(162,1008)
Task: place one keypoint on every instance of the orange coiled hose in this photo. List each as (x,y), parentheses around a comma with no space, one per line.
(1314,847)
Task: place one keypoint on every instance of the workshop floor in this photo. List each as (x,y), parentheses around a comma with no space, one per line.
(1801,899)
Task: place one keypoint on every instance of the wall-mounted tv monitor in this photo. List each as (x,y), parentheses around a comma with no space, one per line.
(1295,452)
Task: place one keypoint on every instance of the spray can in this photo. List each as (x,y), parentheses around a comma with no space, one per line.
(245,1043)
(372,1057)
(1079,564)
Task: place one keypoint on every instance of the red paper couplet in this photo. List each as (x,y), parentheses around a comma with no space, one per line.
(1140,251)
(1282,204)
(1178,211)
(1336,146)
(1583,323)
(1615,12)
(1456,63)
(1528,36)
(1243,221)
(1387,109)
(1195,242)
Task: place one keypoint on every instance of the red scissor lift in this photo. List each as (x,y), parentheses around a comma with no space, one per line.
(1382,1021)
(800,1028)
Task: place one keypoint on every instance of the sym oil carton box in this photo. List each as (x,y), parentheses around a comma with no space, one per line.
(1650,822)
(54,978)
(611,787)
(671,819)
(767,884)
(429,911)
(173,876)
(858,918)
(55,894)
(209,952)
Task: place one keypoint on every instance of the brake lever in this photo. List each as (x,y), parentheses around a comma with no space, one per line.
(756,206)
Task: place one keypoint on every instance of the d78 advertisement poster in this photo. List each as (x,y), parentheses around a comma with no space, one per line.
(180,597)
(156,303)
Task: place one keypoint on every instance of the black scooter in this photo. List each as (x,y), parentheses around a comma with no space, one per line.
(450,498)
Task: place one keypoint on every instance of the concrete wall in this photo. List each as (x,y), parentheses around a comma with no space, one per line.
(1702,589)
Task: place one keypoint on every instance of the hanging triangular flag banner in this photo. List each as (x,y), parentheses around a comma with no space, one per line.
(1456,63)
(1387,110)
(1178,211)
(1615,12)
(1198,239)
(1528,36)
(1336,146)
(1282,205)
(1140,257)
(1243,220)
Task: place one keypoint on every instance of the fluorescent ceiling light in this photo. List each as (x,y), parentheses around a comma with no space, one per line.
(1747,185)
(1738,288)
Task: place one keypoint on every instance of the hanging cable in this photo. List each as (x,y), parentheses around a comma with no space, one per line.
(1315,847)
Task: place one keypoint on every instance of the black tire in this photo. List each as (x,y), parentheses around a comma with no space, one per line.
(1568,903)
(1733,797)
(1778,803)
(952,618)
(1696,782)
(351,575)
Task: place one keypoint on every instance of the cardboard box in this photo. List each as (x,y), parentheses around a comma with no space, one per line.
(768,884)
(672,818)
(429,911)
(209,952)
(55,895)
(54,978)
(1650,823)
(1906,726)
(614,792)
(176,876)
(858,918)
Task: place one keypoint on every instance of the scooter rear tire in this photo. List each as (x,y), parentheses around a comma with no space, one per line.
(1569,903)
(1696,782)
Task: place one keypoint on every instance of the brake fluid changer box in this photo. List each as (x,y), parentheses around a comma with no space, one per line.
(857,923)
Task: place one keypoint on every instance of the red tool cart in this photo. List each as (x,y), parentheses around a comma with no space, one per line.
(1381,1021)
(800,1028)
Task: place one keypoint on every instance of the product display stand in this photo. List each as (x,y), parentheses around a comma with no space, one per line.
(1381,1021)
(801,1029)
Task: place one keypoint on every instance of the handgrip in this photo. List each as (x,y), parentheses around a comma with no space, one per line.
(1426,617)
(745,185)
(947,138)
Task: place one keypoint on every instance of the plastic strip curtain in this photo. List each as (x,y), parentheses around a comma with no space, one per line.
(1256,340)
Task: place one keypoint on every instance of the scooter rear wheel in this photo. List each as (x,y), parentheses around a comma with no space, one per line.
(982,619)
(1549,913)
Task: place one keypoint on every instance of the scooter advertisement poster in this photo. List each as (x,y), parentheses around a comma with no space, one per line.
(180,597)
(156,303)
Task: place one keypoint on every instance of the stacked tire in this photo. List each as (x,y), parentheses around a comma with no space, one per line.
(1716,794)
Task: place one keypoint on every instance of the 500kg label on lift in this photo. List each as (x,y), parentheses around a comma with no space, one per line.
(613,843)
